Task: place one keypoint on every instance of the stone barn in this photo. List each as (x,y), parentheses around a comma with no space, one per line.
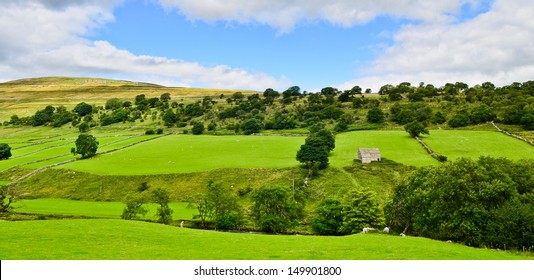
(367,155)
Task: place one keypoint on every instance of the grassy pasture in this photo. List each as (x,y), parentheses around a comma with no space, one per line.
(191,153)
(188,153)
(394,145)
(465,143)
(97,209)
(119,239)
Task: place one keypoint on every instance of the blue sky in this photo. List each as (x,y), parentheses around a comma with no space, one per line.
(255,44)
(313,55)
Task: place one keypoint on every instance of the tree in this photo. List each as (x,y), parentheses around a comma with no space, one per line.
(226,211)
(5,151)
(170,118)
(527,121)
(6,198)
(164,212)
(328,218)
(165,97)
(315,150)
(83,127)
(478,203)
(292,91)
(415,129)
(86,145)
(327,137)
(361,209)
(460,119)
(375,115)
(83,109)
(134,208)
(113,104)
(198,128)
(274,209)
(251,126)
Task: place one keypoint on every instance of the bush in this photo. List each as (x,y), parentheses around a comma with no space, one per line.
(149,132)
(198,128)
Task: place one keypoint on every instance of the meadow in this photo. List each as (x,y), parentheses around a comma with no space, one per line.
(94,209)
(466,143)
(118,239)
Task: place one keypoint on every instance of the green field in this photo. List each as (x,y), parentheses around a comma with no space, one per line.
(465,143)
(394,145)
(189,153)
(193,153)
(119,239)
(197,153)
(94,209)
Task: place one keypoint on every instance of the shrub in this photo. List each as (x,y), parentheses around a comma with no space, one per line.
(198,128)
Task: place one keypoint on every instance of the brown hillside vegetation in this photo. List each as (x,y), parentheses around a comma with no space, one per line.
(23,97)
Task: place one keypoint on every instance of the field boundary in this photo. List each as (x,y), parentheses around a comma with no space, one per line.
(511,134)
(427,149)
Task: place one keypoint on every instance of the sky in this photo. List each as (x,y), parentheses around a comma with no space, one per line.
(259,44)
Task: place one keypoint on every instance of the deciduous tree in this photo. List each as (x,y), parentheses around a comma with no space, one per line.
(86,145)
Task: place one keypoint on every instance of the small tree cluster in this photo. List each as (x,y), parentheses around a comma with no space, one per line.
(357,210)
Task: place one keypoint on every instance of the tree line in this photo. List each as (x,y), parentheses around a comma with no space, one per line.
(455,105)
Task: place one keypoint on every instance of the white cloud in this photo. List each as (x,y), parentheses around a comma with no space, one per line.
(285,14)
(496,46)
(45,38)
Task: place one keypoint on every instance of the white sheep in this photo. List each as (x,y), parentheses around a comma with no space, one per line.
(402,234)
(367,229)
(386,230)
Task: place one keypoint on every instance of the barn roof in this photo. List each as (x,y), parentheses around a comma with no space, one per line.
(368,151)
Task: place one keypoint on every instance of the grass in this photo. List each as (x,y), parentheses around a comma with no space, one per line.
(394,145)
(191,153)
(93,209)
(119,239)
(465,143)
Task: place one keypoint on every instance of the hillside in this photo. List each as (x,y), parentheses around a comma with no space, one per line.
(186,143)
(24,97)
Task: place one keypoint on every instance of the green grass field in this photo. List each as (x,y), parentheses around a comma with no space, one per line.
(192,153)
(94,209)
(465,143)
(189,153)
(118,239)
(394,145)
